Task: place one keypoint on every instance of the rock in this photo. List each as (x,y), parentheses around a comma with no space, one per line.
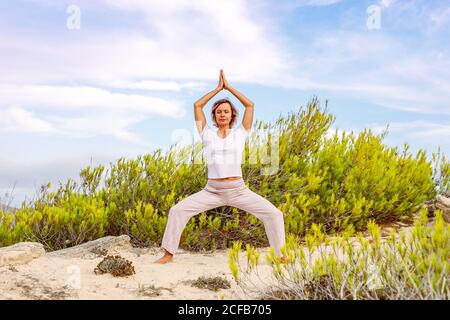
(441,202)
(95,248)
(20,253)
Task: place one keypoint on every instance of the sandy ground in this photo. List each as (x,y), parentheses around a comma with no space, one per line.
(62,277)
(50,277)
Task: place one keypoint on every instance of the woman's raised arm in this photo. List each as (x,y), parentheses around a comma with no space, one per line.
(200,119)
(248,114)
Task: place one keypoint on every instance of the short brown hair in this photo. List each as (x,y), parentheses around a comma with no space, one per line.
(234,111)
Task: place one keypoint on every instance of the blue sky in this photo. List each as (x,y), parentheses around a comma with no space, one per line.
(123,83)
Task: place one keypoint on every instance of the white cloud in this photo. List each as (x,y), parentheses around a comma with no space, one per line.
(423,17)
(417,134)
(87,98)
(440,17)
(375,68)
(188,41)
(180,40)
(98,111)
(183,45)
(15,119)
(419,129)
(386,3)
(158,85)
(283,7)
(300,3)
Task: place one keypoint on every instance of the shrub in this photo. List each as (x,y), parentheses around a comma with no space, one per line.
(406,265)
(78,219)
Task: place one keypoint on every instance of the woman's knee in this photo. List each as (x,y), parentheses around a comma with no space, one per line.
(277,215)
(174,211)
(180,211)
(274,215)
(279,212)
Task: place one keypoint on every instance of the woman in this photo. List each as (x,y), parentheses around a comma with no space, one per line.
(225,186)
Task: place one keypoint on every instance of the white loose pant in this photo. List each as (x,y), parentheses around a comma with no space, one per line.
(224,193)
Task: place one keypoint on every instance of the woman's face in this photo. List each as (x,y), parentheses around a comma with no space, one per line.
(223,114)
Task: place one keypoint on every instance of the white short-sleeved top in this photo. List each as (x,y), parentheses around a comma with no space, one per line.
(224,155)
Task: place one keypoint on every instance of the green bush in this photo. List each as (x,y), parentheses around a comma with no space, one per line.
(405,265)
(144,225)
(78,219)
(351,180)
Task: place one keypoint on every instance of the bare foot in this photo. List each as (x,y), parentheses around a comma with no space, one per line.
(164,259)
